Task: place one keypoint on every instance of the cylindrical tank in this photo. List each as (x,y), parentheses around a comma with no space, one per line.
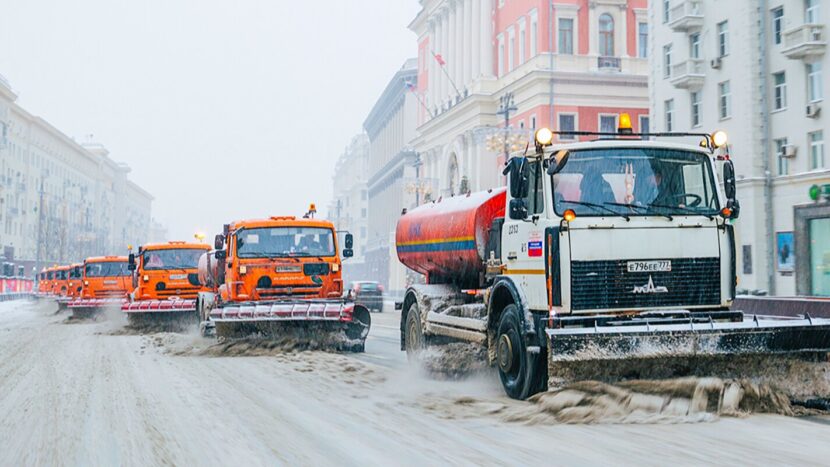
(208,269)
(446,240)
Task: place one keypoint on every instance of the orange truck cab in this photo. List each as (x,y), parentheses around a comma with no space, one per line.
(105,281)
(278,270)
(165,277)
(75,280)
(44,282)
(60,278)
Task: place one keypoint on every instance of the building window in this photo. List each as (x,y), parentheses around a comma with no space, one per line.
(816,140)
(642,38)
(695,106)
(645,125)
(533,122)
(811,12)
(566,36)
(500,39)
(567,122)
(522,41)
(694,45)
(608,124)
(522,125)
(534,31)
(363,213)
(777,24)
(669,107)
(723,39)
(780,90)
(666,10)
(606,35)
(814,87)
(724,100)
(783,162)
(666,61)
(363,232)
(511,49)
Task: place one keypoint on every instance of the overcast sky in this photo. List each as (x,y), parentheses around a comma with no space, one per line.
(223,109)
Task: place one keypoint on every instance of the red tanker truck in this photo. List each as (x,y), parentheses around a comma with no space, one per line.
(617,251)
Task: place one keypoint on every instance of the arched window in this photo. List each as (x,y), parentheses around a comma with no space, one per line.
(606,35)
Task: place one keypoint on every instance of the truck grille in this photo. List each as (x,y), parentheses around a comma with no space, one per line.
(597,285)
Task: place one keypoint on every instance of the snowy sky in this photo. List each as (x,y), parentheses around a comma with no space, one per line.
(223,109)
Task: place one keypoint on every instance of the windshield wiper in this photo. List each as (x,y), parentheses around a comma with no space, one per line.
(599,206)
(667,216)
(708,215)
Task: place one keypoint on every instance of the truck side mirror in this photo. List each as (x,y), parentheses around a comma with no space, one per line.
(220,255)
(729,179)
(348,241)
(558,161)
(518,210)
(219,241)
(131,262)
(519,173)
(348,252)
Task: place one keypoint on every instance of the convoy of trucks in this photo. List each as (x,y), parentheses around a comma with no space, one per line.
(616,252)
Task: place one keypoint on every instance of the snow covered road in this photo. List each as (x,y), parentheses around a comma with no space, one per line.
(90,393)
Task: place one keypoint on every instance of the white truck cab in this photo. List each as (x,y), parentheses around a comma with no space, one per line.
(619,225)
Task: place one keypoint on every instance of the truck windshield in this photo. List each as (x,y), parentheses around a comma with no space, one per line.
(269,242)
(107,269)
(75,272)
(60,275)
(177,258)
(636,182)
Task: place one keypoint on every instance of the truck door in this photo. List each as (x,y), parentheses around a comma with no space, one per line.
(524,240)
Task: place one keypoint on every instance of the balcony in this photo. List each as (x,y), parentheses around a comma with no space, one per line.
(805,42)
(686,15)
(688,74)
(609,64)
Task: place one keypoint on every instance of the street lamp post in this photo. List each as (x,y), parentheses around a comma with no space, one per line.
(506,107)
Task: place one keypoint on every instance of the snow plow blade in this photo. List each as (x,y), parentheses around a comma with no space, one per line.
(343,324)
(756,336)
(86,307)
(161,315)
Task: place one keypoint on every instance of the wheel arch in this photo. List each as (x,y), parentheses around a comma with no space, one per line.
(504,293)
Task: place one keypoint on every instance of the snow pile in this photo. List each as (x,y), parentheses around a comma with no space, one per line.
(682,400)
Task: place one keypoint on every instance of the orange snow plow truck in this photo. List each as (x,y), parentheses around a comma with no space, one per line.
(105,281)
(165,283)
(281,278)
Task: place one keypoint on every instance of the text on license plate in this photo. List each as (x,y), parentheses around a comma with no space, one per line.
(174,277)
(649,266)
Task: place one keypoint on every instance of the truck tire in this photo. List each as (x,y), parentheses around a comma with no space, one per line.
(517,370)
(415,343)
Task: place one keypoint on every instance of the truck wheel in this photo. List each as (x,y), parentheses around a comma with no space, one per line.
(359,327)
(414,334)
(516,370)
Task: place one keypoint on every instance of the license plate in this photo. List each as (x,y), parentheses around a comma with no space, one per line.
(649,266)
(174,277)
(110,282)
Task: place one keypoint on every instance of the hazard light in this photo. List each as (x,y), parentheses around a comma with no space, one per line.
(625,124)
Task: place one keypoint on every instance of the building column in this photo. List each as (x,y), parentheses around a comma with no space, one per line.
(467,50)
(458,75)
(475,49)
(432,76)
(486,38)
(445,42)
